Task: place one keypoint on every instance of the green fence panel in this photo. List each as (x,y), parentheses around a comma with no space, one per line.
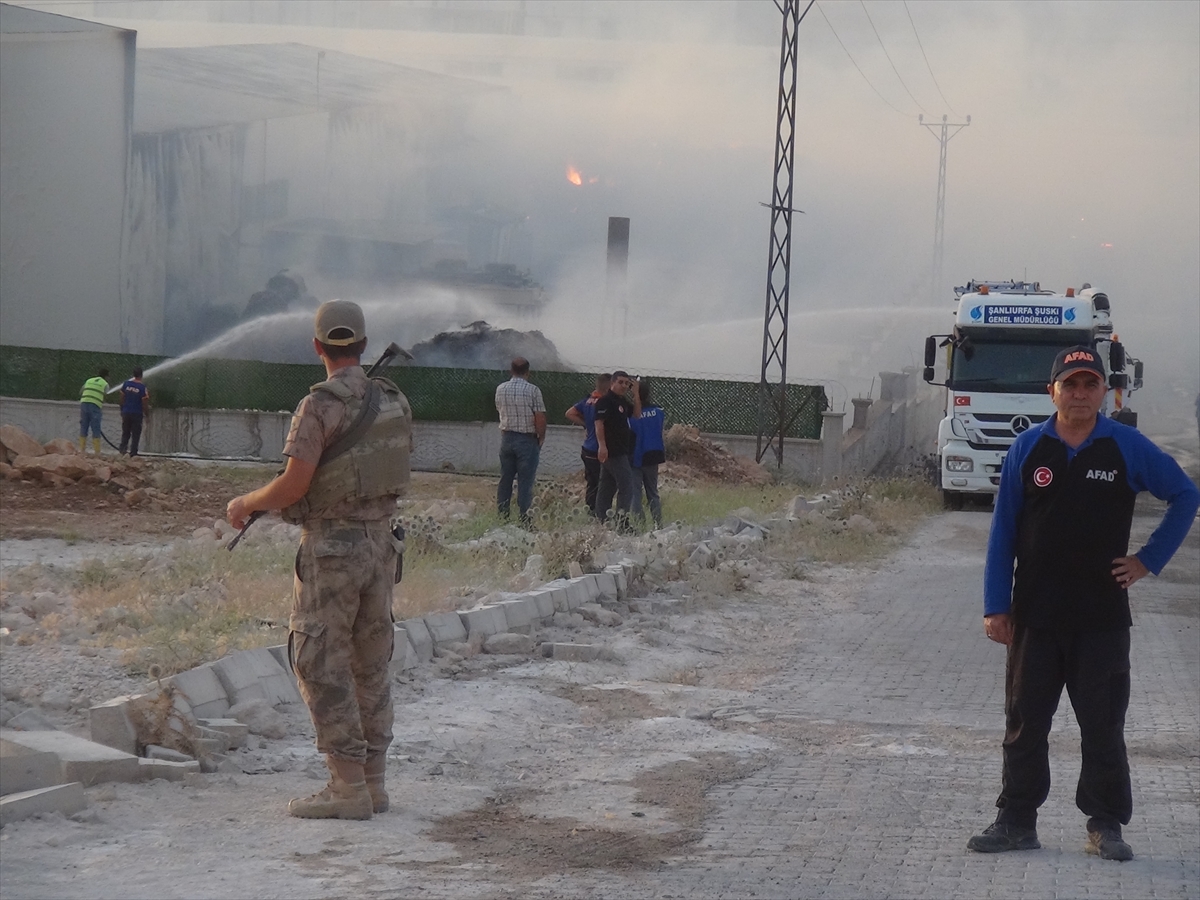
(436,395)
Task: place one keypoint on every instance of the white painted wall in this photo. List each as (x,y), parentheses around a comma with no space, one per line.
(65,115)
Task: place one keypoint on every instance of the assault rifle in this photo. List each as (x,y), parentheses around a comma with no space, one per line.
(390,352)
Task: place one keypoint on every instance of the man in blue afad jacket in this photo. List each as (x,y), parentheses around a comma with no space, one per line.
(1063,515)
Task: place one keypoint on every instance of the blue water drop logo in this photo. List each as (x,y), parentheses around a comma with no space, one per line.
(1069,315)
(977,313)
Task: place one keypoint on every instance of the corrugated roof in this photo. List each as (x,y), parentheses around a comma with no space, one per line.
(19,20)
(196,87)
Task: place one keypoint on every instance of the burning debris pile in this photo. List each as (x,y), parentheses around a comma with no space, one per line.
(480,346)
(690,456)
(282,291)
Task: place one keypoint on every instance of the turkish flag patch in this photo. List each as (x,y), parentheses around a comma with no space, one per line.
(1042,476)
(962,400)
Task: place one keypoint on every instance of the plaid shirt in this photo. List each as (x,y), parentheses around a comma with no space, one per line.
(516,401)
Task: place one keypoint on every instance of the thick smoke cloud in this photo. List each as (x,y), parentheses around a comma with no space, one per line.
(1080,164)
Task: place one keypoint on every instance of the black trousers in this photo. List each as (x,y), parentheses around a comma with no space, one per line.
(591,478)
(1094,668)
(131,429)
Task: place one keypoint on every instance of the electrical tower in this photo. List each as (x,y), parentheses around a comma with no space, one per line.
(939,221)
(773,419)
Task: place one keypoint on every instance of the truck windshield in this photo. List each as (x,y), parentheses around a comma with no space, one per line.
(1004,366)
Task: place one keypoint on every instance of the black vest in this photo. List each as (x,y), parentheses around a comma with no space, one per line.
(1074,523)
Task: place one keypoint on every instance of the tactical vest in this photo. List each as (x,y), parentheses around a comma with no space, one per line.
(374,466)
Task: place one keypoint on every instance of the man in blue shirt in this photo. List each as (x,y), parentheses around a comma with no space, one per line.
(584,413)
(135,406)
(1063,517)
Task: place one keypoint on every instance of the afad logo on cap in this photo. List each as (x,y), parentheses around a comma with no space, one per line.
(1042,476)
(1078,356)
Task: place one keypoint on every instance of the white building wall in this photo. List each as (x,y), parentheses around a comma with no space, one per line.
(65,113)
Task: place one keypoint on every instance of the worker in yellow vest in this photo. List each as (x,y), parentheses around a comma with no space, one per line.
(91,408)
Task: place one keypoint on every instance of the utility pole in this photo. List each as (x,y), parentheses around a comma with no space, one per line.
(773,420)
(939,222)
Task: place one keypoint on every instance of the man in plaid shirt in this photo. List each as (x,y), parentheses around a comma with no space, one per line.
(522,432)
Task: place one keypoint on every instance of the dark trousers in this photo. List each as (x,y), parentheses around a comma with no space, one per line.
(646,478)
(519,454)
(591,478)
(616,478)
(1094,668)
(131,432)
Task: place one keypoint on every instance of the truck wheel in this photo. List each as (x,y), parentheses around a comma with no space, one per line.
(953,499)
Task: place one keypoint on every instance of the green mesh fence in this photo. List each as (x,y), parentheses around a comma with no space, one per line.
(442,395)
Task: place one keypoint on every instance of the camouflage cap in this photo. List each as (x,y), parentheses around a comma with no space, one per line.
(340,323)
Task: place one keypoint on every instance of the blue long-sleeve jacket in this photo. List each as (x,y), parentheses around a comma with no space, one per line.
(1063,515)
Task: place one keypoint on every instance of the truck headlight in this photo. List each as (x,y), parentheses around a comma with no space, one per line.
(959,464)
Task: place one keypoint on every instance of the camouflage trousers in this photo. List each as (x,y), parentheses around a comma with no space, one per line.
(340,640)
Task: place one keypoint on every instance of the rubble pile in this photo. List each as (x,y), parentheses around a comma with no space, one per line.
(60,463)
(688,450)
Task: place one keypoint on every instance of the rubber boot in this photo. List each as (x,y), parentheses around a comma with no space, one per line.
(83,445)
(374,771)
(96,445)
(345,797)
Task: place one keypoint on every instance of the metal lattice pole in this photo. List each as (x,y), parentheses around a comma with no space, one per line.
(939,221)
(772,386)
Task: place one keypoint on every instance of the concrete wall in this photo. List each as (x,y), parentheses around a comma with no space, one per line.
(896,430)
(65,113)
(885,435)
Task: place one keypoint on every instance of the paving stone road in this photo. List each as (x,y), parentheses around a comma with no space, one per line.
(908,665)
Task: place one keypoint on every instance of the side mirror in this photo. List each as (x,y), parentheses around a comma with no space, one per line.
(928,374)
(1116,356)
(1137,375)
(1118,380)
(930,356)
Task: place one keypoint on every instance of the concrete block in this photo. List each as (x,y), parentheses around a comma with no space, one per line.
(484,620)
(23,769)
(165,754)
(66,799)
(520,614)
(231,728)
(558,595)
(577,593)
(445,628)
(255,675)
(607,584)
(280,654)
(572,652)
(622,578)
(545,603)
(403,655)
(212,741)
(203,691)
(108,724)
(81,760)
(166,769)
(420,638)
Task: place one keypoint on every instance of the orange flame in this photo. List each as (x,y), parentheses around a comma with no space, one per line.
(573,176)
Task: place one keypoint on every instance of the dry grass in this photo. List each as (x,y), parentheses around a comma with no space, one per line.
(189,604)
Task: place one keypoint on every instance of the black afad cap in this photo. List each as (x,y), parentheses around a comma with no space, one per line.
(1077,359)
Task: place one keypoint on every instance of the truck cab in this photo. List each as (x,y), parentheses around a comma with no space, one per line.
(997,366)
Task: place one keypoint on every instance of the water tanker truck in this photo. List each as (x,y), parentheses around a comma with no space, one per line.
(998,358)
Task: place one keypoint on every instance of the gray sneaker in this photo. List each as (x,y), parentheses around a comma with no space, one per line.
(1000,837)
(1106,843)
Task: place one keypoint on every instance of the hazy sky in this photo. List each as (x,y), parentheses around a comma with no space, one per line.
(1081,163)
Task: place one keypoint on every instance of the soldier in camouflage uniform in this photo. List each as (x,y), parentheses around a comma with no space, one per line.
(347,463)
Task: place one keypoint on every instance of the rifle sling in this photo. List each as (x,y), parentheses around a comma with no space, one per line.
(366,417)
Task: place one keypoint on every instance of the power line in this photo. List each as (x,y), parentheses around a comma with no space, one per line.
(856,66)
(889,59)
(926,58)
